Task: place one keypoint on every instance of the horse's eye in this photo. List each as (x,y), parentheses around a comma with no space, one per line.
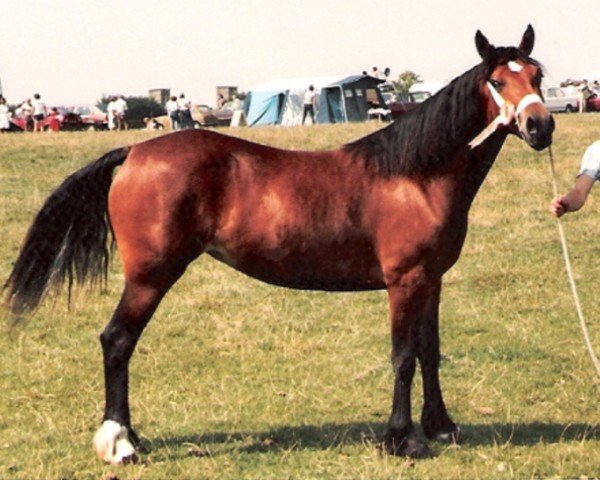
(497,84)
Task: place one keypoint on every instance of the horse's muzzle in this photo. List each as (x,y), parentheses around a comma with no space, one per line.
(537,130)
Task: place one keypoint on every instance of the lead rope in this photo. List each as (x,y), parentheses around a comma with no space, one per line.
(563,241)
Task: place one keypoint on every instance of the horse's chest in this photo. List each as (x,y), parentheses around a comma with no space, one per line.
(420,238)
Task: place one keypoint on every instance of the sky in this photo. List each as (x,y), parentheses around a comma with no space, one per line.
(74,51)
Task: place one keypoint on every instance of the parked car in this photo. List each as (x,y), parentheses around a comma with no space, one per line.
(91,116)
(67,119)
(402,103)
(204,116)
(17,124)
(423,90)
(593,103)
(420,97)
(556,100)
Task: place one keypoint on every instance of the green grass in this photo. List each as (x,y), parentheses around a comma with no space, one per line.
(237,379)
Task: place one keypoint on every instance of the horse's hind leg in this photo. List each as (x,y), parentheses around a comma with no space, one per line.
(115,441)
(435,421)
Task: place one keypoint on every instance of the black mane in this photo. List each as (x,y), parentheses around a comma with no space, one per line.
(426,138)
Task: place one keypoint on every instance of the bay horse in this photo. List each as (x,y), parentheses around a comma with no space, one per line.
(388,211)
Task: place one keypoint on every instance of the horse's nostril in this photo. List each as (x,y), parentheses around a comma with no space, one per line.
(532,127)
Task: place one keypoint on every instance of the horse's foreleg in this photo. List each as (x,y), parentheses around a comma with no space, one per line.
(115,441)
(435,421)
(405,306)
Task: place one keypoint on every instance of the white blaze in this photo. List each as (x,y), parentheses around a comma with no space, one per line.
(514,66)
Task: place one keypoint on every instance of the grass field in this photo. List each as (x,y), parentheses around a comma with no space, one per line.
(237,379)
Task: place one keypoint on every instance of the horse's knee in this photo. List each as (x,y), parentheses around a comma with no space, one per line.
(118,343)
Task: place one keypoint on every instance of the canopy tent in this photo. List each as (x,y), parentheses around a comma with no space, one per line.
(350,99)
(281,102)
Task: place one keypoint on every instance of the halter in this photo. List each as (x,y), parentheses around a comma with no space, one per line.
(507,113)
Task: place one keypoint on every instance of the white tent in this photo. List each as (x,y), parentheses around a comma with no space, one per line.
(265,108)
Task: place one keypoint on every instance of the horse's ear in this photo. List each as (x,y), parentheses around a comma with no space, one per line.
(484,48)
(526,45)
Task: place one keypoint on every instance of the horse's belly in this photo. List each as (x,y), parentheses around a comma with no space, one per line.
(330,269)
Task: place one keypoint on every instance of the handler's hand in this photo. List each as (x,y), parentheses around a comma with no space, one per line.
(572,201)
(559,206)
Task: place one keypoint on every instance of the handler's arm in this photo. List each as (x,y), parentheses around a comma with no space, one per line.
(575,199)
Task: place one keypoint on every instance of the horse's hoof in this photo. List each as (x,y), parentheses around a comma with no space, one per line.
(409,446)
(112,444)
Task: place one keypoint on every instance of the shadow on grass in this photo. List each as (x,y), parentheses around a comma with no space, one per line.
(333,435)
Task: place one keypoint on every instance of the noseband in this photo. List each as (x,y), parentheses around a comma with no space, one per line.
(507,113)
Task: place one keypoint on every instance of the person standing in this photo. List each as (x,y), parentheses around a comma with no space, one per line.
(310,99)
(4,116)
(173,112)
(377,74)
(589,173)
(185,112)
(26,112)
(53,121)
(121,113)
(111,110)
(39,113)
(584,94)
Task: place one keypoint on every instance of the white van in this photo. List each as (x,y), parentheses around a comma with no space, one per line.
(423,90)
(557,100)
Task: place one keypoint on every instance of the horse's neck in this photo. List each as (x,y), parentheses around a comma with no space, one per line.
(478,165)
(464,177)
(470,166)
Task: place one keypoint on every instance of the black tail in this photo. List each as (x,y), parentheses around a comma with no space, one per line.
(68,238)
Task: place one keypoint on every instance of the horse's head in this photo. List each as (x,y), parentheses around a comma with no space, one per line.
(512,89)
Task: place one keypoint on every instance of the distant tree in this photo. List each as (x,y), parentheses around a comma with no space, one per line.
(138,108)
(406,80)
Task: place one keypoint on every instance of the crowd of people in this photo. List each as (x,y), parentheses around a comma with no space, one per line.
(32,114)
